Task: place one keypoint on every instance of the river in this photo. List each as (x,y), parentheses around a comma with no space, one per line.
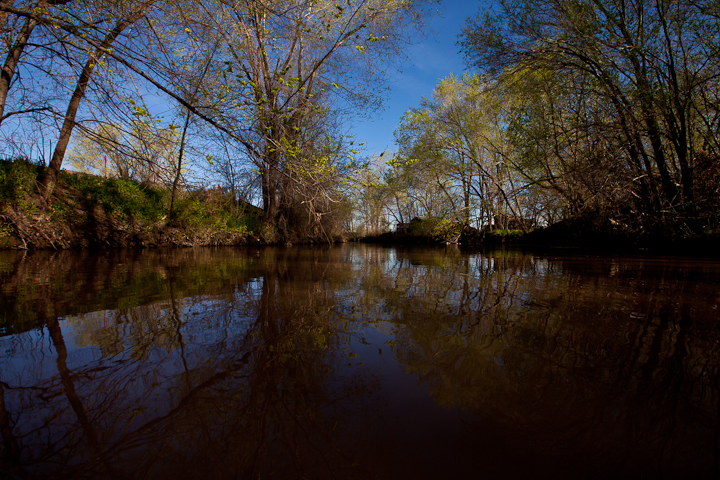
(358,362)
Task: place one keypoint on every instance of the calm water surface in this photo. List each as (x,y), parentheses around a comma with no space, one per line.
(358,362)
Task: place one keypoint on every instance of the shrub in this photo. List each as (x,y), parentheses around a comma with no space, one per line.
(119,196)
(217,210)
(505,233)
(18,180)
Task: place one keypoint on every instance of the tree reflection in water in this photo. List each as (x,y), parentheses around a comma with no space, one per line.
(358,362)
(607,365)
(228,385)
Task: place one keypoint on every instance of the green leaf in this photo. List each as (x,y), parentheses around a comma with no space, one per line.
(140,112)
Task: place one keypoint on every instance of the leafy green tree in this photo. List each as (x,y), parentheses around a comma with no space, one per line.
(636,77)
(145,153)
(458,144)
(371,197)
(276,78)
(559,140)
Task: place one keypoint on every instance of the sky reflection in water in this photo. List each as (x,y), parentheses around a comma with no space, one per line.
(357,362)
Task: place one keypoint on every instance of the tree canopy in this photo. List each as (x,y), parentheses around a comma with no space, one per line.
(600,111)
(606,110)
(616,103)
(264,79)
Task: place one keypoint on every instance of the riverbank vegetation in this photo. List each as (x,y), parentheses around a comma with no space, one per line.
(610,107)
(595,120)
(90,211)
(599,116)
(180,95)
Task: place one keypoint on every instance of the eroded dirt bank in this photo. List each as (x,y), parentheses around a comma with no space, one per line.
(18,230)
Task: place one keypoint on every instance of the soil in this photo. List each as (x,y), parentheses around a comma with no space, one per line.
(19,230)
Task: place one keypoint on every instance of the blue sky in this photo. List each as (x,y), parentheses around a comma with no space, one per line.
(435,57)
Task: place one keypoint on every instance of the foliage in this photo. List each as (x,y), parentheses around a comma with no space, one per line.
(259,90)
(457,161)
(371,198)
(614,105)
(17,180)
(217,210)
(448,229)
(124,198)
(575,113)
(505,233)
(284,73)
(145,153)
(79,194)
(422,227)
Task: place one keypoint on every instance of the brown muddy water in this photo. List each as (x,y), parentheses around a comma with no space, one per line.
(358,362)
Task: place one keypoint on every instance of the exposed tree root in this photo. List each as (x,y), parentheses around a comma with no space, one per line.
(19,230)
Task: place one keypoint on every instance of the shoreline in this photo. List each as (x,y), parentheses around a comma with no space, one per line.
(102,231)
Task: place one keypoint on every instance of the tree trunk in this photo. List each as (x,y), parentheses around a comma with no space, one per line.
(179,164)
(12,60)
(49,179)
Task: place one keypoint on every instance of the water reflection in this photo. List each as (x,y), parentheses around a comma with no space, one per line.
(357,362)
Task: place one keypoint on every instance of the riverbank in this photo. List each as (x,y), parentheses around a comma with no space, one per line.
(584,234)
(100,230)
(87,211)
(576,234)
